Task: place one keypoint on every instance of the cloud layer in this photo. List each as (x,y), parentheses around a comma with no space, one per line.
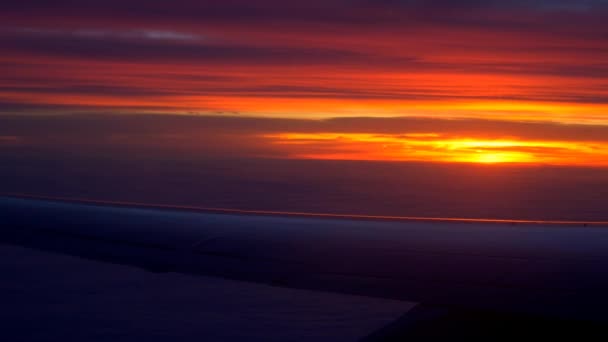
(500,60)
(385,139)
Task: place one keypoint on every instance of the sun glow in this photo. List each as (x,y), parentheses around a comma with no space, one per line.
(501,157)
(437,148)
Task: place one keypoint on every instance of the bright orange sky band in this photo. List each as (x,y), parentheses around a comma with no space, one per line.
(540,66)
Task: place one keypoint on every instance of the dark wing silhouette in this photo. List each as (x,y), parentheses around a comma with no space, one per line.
(533,268)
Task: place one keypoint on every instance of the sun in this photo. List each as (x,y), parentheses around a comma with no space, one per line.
(500,157)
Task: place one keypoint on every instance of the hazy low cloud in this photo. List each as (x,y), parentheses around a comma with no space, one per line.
(340,138)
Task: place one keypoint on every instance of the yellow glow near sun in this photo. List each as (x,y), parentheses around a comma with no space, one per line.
(437,147)
(500,157)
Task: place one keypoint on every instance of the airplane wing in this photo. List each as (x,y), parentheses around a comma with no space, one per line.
(518,267)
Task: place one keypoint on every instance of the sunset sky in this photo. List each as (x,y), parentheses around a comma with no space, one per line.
(442,81)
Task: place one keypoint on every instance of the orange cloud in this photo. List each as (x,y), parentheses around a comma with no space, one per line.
(433,147)
(386,139)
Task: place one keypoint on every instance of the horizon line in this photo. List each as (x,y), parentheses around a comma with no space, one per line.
(88,201)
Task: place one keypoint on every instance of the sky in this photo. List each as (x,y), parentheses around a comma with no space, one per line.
(470,81)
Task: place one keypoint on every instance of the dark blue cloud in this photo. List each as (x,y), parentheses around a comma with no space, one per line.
(87,129)
(124,46)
